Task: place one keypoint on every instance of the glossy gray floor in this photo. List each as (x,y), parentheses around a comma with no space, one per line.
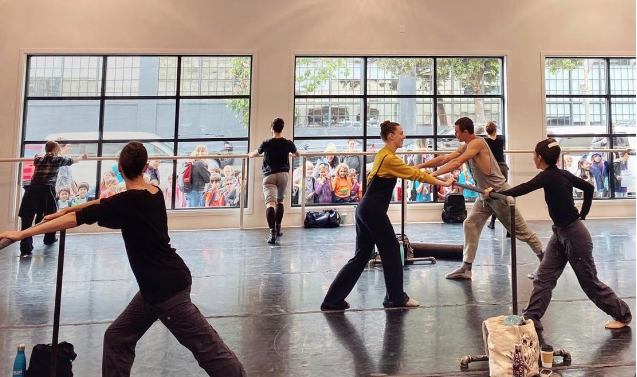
(264,303)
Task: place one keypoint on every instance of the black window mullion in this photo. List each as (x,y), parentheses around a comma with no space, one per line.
(364,120)
(176,132)
(100,129)
(502,89)
(24,111)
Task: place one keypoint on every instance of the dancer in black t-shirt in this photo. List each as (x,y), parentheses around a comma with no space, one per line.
(276,167)
(163,277)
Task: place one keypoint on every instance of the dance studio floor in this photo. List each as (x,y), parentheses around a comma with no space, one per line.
(264,302)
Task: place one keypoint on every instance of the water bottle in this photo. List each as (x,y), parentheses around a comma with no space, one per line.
(20,363)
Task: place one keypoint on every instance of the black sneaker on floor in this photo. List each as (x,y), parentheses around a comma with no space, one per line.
(278,231)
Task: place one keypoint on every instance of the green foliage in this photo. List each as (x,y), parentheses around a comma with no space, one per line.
(563,64)
(472,71)
(240,72)
(324,69)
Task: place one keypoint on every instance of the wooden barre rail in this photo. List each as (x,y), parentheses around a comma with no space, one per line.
(244,156)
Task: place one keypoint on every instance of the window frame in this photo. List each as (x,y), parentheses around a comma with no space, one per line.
(434,97)
(102,97)
(607,97)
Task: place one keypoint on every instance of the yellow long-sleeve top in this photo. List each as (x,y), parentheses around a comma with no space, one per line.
(393,166)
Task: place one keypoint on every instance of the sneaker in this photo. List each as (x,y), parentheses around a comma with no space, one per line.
(460,273)
(342,306)
(278,231)
(25,254)
(533,274)
(614,324)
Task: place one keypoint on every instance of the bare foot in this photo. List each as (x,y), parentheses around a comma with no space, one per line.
(613,324)
(412,303)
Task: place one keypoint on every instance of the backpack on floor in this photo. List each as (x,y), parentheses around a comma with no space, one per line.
(499,344)
(40,361)
(324,219)
(454,210)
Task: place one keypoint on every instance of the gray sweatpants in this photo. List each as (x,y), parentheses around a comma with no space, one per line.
(572,244)
(480,213)
(183,319)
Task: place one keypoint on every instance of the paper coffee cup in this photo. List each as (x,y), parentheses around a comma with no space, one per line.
(546,354)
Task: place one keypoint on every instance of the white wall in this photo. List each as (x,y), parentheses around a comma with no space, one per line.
(274,31)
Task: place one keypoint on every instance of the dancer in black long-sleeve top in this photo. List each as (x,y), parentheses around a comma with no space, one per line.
(571,242)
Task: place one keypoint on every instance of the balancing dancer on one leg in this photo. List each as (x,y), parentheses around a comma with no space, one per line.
(374,228)
(571,242)
(163,277)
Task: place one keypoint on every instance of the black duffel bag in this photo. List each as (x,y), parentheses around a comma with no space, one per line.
(40,361)
(328,218)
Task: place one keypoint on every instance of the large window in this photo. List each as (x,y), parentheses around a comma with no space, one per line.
(339,103)
(172,104)
(590,104)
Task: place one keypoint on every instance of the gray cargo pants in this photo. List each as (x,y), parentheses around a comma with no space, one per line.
(572,244)
(481,211)
(183,319)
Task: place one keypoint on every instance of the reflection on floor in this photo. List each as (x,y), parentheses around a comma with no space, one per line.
(264,301)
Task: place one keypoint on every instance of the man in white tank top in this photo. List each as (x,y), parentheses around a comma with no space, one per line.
(486,172)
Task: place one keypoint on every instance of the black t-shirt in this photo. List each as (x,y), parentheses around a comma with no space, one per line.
(141,216)
(497,147)
(276,159)
(558,194)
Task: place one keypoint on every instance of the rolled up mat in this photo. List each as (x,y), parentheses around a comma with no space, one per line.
(4,242)
(437,250)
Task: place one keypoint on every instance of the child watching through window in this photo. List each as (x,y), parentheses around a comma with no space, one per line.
(64,198)
(341,184)
(356,193)
(213,198)
(322,187)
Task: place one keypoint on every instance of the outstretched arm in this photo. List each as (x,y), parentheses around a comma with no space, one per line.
(440,160)
(61,223)
(458,158)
